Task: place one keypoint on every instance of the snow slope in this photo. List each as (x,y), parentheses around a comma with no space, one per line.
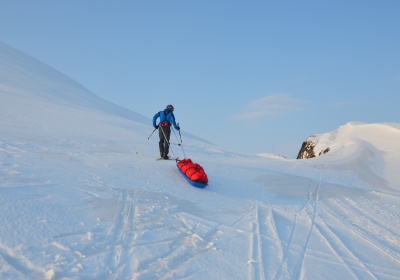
(78,202)
(376,146)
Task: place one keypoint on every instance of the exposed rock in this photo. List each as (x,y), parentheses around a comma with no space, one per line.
(324,151)
(309,148)
(306,150)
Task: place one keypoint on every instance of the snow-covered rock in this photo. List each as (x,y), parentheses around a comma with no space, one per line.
(377,134)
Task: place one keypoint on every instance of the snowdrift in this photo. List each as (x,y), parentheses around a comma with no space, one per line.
(373,147)
(76,202)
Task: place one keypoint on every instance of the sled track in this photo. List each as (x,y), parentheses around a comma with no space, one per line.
(122,235)
(351,215)
(179,236)
(351,221)
(343,252)
(382,222)
(256,257)
(312,213)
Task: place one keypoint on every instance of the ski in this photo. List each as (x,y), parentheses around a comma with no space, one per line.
(169,158)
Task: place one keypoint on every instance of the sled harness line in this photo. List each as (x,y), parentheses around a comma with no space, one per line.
(181,144)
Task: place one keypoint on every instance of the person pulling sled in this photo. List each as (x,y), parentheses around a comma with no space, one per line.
(167,119)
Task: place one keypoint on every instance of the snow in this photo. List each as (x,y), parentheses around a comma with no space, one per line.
(80,200)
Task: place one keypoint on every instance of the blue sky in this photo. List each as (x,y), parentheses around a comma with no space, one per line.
(249,76)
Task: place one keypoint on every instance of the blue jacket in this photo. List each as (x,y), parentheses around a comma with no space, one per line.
(165,116)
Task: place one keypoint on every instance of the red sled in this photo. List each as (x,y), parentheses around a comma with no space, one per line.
(193,172)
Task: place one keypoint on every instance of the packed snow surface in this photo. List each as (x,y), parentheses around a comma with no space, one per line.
(81,199)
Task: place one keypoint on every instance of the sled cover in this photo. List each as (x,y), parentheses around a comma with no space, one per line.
(193,172)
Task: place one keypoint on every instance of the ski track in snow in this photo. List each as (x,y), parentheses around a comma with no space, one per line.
(143,233)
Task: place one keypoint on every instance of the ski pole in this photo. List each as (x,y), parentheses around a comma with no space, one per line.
(181,144)
(146,141)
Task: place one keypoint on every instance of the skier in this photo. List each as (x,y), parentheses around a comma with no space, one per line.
(164,129)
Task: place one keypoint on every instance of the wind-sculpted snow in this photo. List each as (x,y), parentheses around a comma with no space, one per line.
(78,202)
(371,150)
(96,212)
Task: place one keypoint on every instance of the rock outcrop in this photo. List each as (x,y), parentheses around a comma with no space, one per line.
(307,149)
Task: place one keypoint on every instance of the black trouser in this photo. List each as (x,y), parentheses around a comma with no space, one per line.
(164,139)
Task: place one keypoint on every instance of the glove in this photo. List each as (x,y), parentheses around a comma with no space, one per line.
(178,128)
(156,126)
